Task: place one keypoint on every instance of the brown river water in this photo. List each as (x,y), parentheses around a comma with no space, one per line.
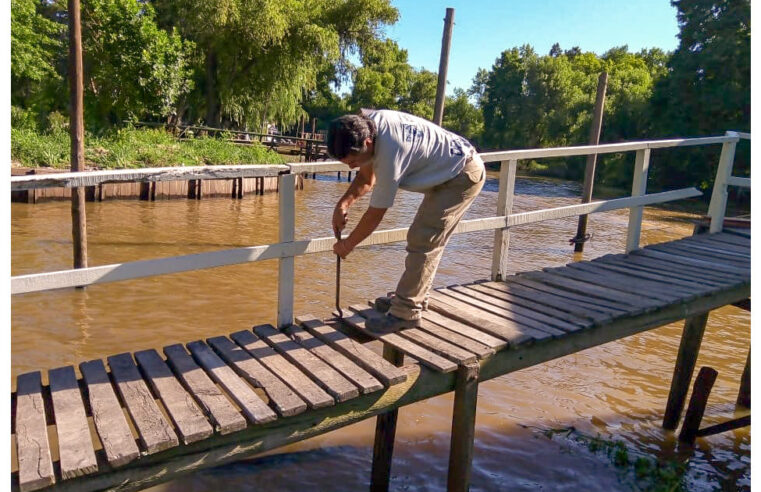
(617,390)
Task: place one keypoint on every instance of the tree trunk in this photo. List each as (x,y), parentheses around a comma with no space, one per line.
(212,97)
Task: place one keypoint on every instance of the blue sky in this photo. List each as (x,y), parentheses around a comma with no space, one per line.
(485,28)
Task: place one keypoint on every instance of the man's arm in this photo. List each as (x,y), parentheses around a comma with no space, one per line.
(367,224)
(360,185)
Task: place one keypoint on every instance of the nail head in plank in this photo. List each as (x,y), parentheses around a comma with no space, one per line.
(33,448)
(324,375)
(182,409)
(410,348)
(75,450)
(299,382)
(386,372)
(465,330)
(252,406)
(154,431)
(363,379)
(108,416)
(209,396)
(285,401)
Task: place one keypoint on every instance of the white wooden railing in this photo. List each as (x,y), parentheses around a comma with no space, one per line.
(288,247)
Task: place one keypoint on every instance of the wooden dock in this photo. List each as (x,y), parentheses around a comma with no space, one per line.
(142,418)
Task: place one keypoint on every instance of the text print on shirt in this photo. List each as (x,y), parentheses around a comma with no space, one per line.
(411,132)
(455,146)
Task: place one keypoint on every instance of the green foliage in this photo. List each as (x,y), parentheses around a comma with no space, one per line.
(34,43)
(131,148)
(462,117)
(133,69)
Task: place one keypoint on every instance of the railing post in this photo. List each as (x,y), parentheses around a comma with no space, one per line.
(639,188)
(287,233)
(718,206)
(504,207)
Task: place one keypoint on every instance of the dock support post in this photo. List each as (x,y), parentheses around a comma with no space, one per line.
(639,188)
(692,336)
(718,205)
(698,401)
(504,207)
(287,228)
(385,432)
(463,428)
(743,397)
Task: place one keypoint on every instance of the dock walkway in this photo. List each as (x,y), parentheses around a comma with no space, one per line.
(144,418)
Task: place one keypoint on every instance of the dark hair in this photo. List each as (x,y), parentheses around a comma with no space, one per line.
(347,134)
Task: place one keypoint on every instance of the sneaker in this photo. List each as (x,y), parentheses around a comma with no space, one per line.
(383,304)
(390,324)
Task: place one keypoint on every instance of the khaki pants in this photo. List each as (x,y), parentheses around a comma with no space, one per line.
(441,210)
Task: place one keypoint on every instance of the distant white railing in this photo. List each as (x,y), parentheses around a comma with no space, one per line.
(288,247)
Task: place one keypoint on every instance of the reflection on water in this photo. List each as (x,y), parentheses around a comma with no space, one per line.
(617,390)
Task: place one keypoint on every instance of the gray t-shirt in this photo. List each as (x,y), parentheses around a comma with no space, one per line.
(412,154)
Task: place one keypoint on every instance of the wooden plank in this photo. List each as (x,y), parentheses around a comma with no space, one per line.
(738,231)
(426,340)
(721,248)
(709,241)
(480,350)
(662,278)
(182,409)
(655,273)
(75,450)
(464,330)
(387,373)
(549,300)
(249,402)
(499,312)
(629,302)
(514,333)
(107,414)
(324,375)
(627,282)
(154,431)
(282,397)
(583,322)
(404,345)
(213,401)
(591,303)
(353,372)
(650,292)
(673,268)
(299,382)
(728,238)
(708,255)
(35,466)
(707,250)
(685,260)
(519,310)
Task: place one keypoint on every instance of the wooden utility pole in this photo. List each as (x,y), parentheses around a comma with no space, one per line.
(589,172)
(77,129)
(446,40)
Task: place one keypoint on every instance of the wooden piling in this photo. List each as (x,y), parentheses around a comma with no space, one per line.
(385,432)
(689,347)
(77,131)
(743,397)
(463,427)
(695,410)
(446,41)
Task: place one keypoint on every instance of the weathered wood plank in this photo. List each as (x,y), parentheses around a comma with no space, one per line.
(602,306)
(514,333)
(720,248)
(107,414)
(738,231)
(387,373)
(33,449)
(252,406)
(685,260)
(464,330)
(477,348)
(560,323)
(186,415)
(704,276)
(628,283)
(426,340)
(75,450)
(711,242)
(154,431)
(324,375)
(299,382)
(404,345)
(661,277)
(353,372)
(728,238)
(281,396)
(498,311)
(509,296)
(634,265)
(214,402)
(628,301)
(706,255)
